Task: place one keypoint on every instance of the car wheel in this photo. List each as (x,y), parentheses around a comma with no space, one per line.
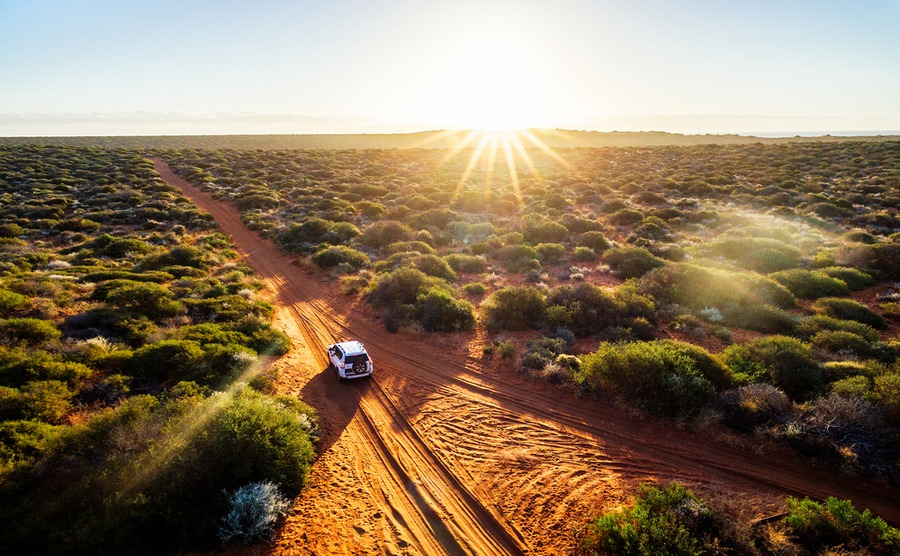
(359,367)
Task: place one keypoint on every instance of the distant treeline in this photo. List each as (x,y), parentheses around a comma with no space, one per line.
(424,139)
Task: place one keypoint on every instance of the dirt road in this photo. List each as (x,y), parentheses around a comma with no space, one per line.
(441,453)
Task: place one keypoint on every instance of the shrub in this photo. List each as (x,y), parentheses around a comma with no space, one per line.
(785,362)
(167,359)
(409,246)
(29,331)
(181,255)
(551,253)
(141,298)
(754,405)
(514,308)
(254,509)
(807,327)
(844,428)
(847,309)
(385,232)
(474,288)
(539,229)
(631,262)
(23,442)
(657,376)
(594,240)
(341,255)
(818,526)
(470,264)
(855,279)
(517,257)
(841,342)
(625,217)
(756,253)
(700,287)
(887,392)
(440,311)
(807,284)
(762,318)
(11,302)
(667,520)
(584,254)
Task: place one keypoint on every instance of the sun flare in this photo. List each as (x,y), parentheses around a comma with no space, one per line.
(491,86)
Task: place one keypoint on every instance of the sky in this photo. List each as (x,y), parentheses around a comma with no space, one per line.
(175,67)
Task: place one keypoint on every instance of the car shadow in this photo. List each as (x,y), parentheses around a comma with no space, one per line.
(336,402)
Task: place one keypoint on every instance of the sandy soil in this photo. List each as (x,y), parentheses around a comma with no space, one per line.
(445,451)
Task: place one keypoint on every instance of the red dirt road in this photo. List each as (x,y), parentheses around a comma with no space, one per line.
(442,453)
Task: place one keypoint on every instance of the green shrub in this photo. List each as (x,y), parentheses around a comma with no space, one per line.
(837,524)
(701,287)
(268,341)
(854,278)
(630,261)
(807,284)
(584,254)
(474,288)
(23,442)
(887,391)
(335,255)
(807,327)
(514,308)
(167,359)
(18,367)
(180,255)
(841,342)
(761,317)
(409,246)
(755,253)
(667,520)
(385,232)
(594,240)
(518,257)
(786,362)
(29,331)
(539,229)
(625,217)
(11,302)
(550,253)
(658,377)
(439,311)
(847,309)
(470,264)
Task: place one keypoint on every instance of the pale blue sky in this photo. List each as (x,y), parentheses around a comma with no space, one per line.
(178,66)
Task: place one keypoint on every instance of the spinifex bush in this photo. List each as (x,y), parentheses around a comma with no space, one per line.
(848,309)
(837,524)
(630,261)
(700,287)
(659,377)
(783,361)
(810,284)
(663,520)
(514,308)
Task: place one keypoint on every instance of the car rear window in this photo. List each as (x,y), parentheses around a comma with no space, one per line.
(355,358)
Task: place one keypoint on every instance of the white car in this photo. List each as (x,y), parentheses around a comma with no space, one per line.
(349,360)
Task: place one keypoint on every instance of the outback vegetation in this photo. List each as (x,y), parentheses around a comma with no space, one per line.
(756,281)
(134,416)
(747,287)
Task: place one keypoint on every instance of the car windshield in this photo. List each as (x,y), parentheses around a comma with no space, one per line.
(355,358)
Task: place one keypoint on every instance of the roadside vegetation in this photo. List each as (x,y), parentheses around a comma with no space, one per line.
(748,285)
(673,520)
(135,415)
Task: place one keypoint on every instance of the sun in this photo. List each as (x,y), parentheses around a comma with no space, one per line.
(490,85)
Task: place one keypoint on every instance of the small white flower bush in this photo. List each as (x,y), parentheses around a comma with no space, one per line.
(254,510)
